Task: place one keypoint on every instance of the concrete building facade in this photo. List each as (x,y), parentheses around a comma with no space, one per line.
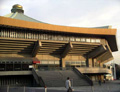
(27,43)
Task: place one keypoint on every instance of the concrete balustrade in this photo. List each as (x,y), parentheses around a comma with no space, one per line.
(94,70)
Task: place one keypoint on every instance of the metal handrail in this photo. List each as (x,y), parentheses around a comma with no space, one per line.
(53,68)
(84,77)
(38,78)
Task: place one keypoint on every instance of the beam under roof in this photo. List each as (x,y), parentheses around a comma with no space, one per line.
(36,48)
(96,52)
(105,57)
(67,50)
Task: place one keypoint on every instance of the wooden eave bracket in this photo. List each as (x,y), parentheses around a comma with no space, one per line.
(98,51)
(106,56)
(68,48)
(36,48)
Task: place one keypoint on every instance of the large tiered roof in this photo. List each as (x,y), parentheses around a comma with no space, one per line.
(17,12)
(26,22)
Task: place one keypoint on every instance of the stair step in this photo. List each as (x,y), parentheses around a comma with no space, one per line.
(58,78)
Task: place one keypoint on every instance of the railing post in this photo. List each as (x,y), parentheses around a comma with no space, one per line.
(45,89)
(92,88)
(72,83)
(24,88)
(108,89)
(8,88)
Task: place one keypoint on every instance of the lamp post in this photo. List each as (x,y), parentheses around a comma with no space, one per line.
(114,70)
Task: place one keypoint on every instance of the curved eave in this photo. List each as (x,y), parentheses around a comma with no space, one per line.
(21,16)
(107,33)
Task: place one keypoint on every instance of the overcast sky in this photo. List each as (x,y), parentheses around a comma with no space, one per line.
(79,13)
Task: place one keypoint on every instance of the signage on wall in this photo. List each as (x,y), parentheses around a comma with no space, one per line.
(30,66)
(36,62)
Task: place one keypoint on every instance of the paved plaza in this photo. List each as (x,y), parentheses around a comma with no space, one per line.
(111,86)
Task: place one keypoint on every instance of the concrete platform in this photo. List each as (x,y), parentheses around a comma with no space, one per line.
(111,86)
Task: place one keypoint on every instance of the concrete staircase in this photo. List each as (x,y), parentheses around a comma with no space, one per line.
(57,78)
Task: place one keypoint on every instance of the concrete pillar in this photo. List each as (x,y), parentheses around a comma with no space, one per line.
(93,62)
(102,78)
(101,64)
(90,62)
(62,62)
(87,61)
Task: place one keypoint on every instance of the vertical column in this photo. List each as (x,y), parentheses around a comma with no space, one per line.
(21,65)
(62,62)
(102,78)
(92,62)
(5,66)
(87,61)
(101,64)
(13,66)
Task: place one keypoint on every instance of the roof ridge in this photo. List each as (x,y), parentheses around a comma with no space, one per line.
(22,16)
(14,14)
(33,19)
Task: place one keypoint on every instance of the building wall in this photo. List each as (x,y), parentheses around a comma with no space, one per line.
(41,35)
(48,57)
(15,55)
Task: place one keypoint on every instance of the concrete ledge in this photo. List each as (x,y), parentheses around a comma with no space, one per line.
(4,73)
(94,70)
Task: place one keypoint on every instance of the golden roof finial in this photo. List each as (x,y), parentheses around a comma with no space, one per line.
(17,8)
